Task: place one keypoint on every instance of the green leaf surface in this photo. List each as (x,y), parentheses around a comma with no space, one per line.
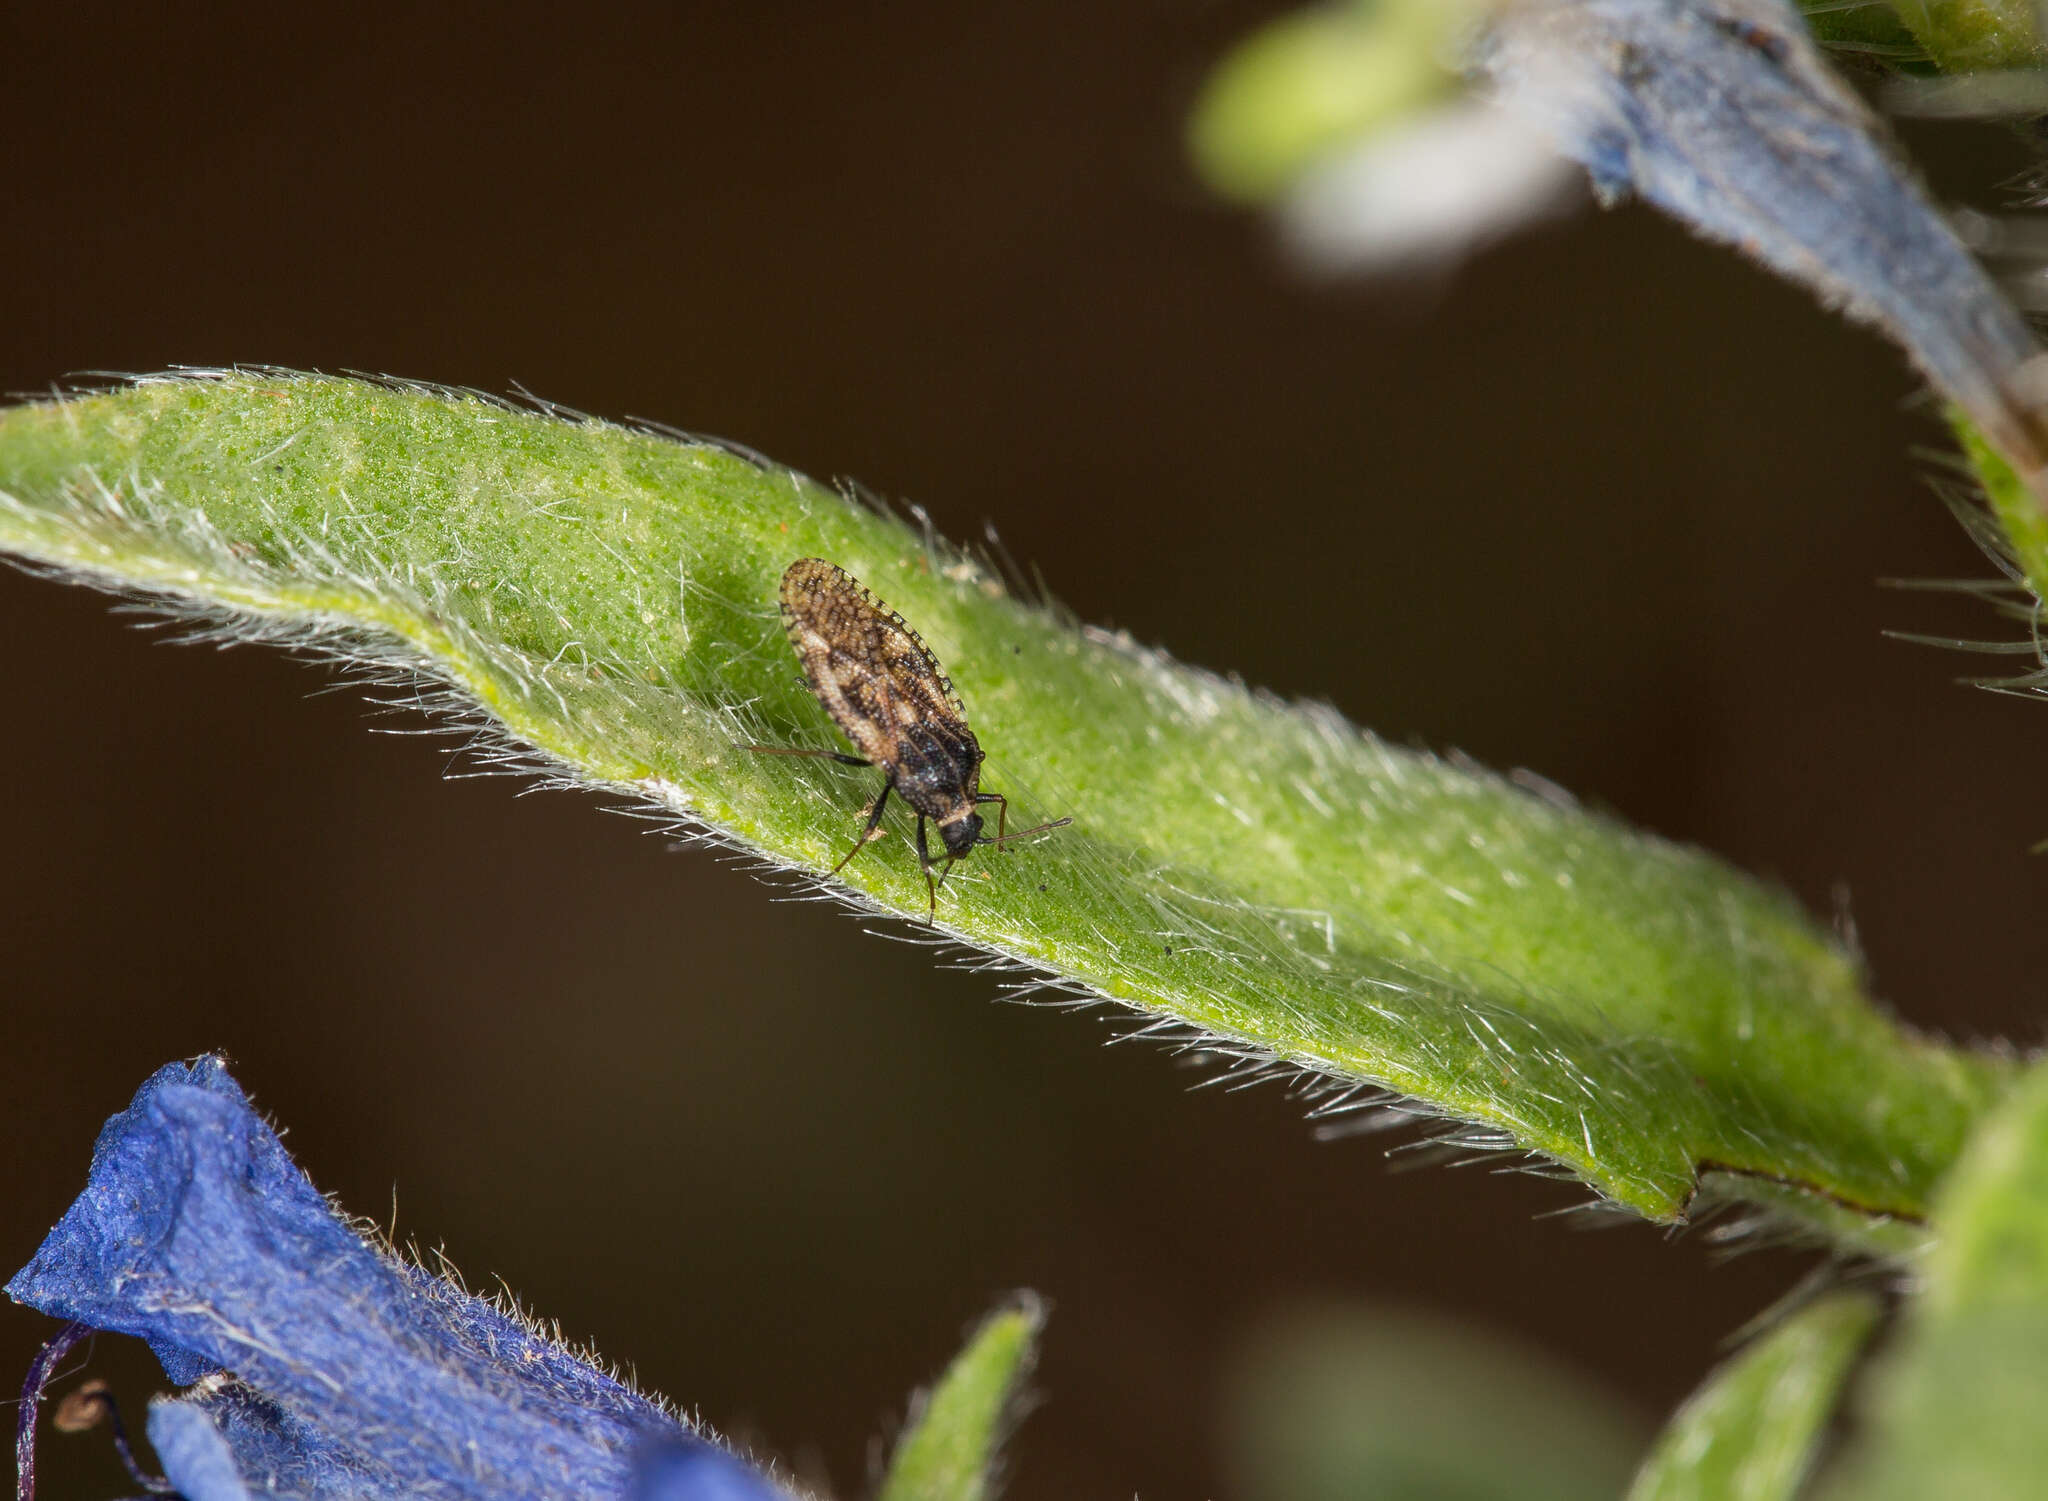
(1969,36)
(948,1450)
(1258,872)
(1750,1433)
(1960,1409)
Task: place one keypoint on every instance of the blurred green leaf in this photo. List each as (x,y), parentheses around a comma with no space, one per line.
(1871,23)
(948,1451)
(1970,36)
(1343,1402)
(603,602)
(1959,1409)
(1751,1432)
(1317,81)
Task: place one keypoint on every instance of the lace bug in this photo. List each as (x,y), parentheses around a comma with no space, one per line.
(886,692)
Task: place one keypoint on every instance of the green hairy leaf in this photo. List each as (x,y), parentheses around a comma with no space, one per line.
(1256,873)
(2019,540)
(1956,1410)
(948,1450)
(1750,1433)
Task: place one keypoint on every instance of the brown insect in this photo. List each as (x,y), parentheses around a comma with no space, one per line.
(886,692)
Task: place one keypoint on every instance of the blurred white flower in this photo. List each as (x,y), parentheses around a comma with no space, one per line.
(1428,192)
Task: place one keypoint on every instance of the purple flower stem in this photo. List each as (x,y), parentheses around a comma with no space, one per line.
(110,1410)
(40,1372)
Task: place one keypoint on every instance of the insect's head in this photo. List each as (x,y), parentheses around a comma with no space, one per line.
(961,834)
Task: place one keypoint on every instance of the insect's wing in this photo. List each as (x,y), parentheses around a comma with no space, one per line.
(875,677)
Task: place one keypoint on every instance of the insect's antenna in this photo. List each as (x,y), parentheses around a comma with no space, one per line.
(942,877)
(1057,823)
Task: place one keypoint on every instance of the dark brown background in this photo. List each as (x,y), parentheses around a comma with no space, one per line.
(1610,505)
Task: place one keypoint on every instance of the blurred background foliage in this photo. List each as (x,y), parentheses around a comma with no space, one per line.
(1608,504)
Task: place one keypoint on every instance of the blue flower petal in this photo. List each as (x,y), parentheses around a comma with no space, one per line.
(688,1469)
(352,1374)
(195,1457)
(1731,119)
(291,1460)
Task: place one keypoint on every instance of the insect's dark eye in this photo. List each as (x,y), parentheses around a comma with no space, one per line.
(960,837)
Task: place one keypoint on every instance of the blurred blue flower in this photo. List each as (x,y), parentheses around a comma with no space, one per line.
(318,1365)
(1727,115)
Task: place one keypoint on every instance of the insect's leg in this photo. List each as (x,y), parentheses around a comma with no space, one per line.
(924,864)
(869,834)
(1002,813)
(796,750)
